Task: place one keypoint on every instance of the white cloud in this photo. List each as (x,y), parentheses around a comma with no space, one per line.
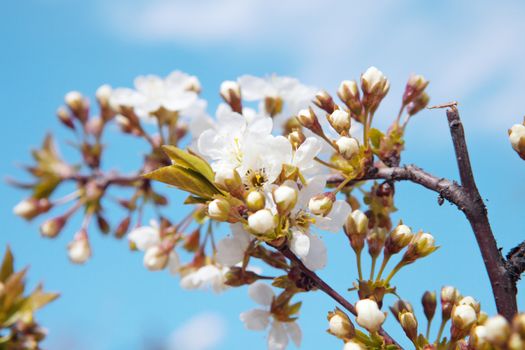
(470,50)
(204,331)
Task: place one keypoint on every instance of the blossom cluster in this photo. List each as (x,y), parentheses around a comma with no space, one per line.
(279,166)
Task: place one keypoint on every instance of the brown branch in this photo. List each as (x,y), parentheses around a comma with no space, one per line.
(503,287)
(322,285)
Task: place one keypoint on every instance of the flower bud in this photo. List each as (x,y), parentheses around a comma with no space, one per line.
(517,138)
(353,345)
(375,86)
(308,119)
(273,105)
(219,209)
(261,222)
(255,201)
(477,339)
(340,121)
(52,227)
(321,204)
(79,249)
(463,317)
(77,104)
(368,315)
(376,240)
(285,198)
(415,86)
(155,258)
(518,324)
(497,330)
(356,228)
(65,118)
(324,101)
(347,146)
(348,92)
(103,94)
(193,84)
(449,296)
(401,306)
(422,244)
(231,93)
(296,138)
(429,304)
(228,179)
(418,104)
(340,325)
(409,324)
(516,342)
(398,239)
(468,300)
(32,207)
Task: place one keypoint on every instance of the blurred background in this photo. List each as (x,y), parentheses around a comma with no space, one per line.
(471,51)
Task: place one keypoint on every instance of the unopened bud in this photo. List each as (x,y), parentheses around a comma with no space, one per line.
(155,258)
(415,86)
(463,317)
(219,209)
(356,228)
(376,240)
(273,105)
(324,101)
(348,92)
(296,138)
(398,239)
(52,227)
(418,104)
(340,121)
(497,330)
(231,93)
(399,307)
(518,324)
(422,244)
(32,207)
(228,179)
(517,138)
(369,315)
(77,104)
(285,198)
(340,325)
(255,201)
(103,94)
(429,303)
(478,338)
(321,204)
(353,345)
(468,300)
(375,86)
(79,249)
(347,146)
(193,84)
(309,120)
(261,222)
(409,324)
(516,342)
(65,118)
(123,227)
(449,297)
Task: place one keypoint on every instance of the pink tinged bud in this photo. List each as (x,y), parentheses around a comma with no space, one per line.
(255,201)
(219,209)
(285,198)
(415,86)
(497,330)
(261,222)
(348,147)
(79,250)
(65,118)
(429,303)
(52,227)
(409,324)
(369,315)
(155,258)
(321,204)
(324,101)
(32,207)
(463,317)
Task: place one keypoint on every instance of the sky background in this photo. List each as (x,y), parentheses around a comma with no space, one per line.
(471,51)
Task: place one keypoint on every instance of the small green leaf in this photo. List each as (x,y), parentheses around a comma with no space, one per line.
(189,161)
(375,136)
(7,268)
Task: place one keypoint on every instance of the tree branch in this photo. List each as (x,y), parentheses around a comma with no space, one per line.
(516,262)
(322,285)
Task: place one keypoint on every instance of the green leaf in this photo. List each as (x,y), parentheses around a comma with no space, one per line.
(185,179)
(195,200)
(7,268)
(376,136)
(189,161)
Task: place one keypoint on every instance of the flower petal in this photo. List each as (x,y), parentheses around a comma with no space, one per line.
(255,319)
(261,293)
(300,243)
(317,255)
(294,332)
(277,338)
(144,237)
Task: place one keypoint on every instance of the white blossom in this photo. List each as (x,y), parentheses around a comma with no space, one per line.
(260,319)
(206,277)
(230,250)
(516,134)
(369,315)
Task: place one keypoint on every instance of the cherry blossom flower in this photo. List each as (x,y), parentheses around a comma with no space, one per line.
(148,240)
(230,250)
(176,92)
(206,277)
(261,319)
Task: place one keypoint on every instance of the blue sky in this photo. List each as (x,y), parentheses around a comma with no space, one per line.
(472,51)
